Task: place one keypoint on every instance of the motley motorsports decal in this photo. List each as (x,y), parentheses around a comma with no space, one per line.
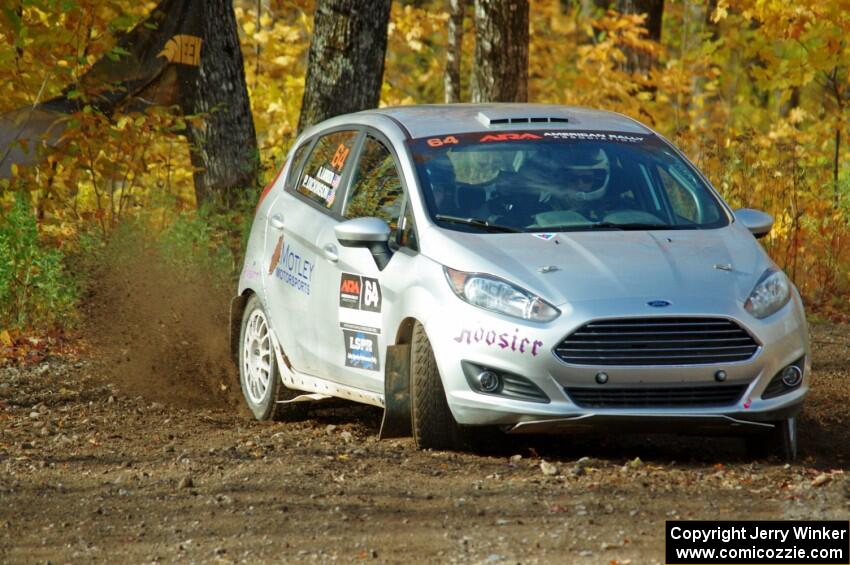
(503,340)
(292,266)
(359,293)
(361,350)
(276,255)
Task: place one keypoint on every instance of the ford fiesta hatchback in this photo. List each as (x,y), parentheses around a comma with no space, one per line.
(528,268)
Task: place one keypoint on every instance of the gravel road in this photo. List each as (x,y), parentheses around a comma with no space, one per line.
(95,467)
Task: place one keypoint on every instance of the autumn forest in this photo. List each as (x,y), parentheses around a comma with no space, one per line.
(755,92)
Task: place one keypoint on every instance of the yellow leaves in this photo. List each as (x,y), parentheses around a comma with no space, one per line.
(797,115)
(720,12)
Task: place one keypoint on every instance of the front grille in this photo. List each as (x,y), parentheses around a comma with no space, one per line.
(656,397)
(657,341)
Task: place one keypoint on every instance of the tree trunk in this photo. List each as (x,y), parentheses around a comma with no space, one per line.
(501,51)
(345,67)
(451,78)
(710,25)
(637,61)
(224,145)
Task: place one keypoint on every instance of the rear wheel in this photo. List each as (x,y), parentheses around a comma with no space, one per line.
(780,441)
(258,374)
(434,426)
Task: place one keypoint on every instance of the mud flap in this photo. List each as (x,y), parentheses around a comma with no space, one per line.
(396,422)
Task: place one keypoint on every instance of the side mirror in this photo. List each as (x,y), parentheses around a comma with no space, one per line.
(371,233)
(756,221)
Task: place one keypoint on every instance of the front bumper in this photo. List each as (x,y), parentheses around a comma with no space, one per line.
(479,338)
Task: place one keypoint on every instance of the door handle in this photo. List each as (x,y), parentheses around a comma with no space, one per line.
(330,253)
(276,221)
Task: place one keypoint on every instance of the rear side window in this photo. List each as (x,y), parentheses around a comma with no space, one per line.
(376,186)
(322,172)
(294,166)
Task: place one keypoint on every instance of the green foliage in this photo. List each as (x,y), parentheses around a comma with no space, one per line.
(35,289)
(191,247)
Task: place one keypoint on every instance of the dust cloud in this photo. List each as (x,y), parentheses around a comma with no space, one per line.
(162,330)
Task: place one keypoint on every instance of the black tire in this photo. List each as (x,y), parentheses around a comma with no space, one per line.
(264,406)
(781,441)
(434,427)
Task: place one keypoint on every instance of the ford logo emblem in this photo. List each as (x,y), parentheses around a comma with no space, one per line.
(658,303)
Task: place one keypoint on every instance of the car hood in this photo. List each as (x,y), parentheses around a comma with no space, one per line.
(612,264)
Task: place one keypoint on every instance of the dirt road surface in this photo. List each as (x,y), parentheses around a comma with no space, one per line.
(98,467)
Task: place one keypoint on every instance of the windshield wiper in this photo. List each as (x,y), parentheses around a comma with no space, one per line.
(477,222)
(634,226)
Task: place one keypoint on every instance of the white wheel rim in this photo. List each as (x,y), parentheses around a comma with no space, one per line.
(257,357)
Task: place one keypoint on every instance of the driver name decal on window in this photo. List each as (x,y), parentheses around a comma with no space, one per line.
(328,176)
(318,188)
(322,171)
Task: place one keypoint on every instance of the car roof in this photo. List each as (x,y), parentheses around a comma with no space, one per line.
(427,120)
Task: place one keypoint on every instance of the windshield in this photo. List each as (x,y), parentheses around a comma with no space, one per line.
(560,181)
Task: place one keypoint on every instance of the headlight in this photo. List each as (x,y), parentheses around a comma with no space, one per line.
(498,295)
(772,292)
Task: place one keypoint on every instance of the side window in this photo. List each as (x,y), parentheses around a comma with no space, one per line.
(322,171)
(407,231)
(683,196)
(376,186)
(296,161)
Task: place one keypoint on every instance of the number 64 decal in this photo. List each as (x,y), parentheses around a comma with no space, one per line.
(338,160)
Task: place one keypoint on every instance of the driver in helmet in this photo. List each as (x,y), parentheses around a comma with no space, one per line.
(580,183)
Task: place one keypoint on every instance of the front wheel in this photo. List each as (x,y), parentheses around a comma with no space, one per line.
(434,426)
(780,441)
(258,374)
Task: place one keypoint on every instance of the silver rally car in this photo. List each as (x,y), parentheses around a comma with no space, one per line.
(526,268)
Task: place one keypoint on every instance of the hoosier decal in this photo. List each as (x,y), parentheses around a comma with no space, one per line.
(503,340)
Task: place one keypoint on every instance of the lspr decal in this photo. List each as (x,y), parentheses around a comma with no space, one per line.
(361,350)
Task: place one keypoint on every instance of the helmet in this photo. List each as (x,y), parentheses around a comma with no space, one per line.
(587,172)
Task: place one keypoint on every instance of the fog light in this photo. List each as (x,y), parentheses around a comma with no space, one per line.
(488,381)
(791,376)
